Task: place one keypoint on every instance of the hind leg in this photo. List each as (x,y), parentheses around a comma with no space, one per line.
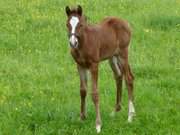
(129,83)
(129,78)
(115,65)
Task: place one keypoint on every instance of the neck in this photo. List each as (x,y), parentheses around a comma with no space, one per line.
(82,38)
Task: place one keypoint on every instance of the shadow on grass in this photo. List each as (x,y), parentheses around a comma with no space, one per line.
(163,77)
(146,72)
(162,22)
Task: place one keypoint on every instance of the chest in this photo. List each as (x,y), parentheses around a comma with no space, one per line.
(81,58)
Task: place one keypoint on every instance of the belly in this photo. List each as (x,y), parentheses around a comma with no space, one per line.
(79,59)
(108,43)
(108,49)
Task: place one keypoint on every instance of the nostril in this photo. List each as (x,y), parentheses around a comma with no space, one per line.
(76,43)
(71,44)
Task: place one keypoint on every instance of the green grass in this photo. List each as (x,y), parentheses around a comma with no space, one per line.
(39,84)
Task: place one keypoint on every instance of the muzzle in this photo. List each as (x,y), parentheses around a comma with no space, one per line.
(73,40)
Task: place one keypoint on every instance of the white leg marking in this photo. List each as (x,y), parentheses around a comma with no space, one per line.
(98,128)
(83,74)
(115,61)
(131,111)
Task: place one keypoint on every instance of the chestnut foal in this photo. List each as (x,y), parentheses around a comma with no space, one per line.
(91,44)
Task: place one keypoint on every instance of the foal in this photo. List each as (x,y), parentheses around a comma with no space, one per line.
(91,44)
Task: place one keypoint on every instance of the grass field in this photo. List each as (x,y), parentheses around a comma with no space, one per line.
(39,84)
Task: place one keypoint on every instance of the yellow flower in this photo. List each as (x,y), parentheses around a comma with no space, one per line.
(146,30)
(29,104)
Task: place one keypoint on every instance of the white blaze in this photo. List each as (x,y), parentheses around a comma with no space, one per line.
(73,22)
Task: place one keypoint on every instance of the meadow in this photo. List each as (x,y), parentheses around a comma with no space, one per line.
(39,84)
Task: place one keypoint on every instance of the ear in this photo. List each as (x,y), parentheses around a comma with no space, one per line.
(79,10)
(68,11)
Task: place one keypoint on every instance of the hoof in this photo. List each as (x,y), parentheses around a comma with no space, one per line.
(118,108)
(98,128)
(130,116)
(83,117)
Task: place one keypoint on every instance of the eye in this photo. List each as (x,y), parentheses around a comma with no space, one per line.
(68,25)
(80,25)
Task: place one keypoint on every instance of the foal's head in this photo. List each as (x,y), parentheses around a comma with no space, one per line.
(75,23)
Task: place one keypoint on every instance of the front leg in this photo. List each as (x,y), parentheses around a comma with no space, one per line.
(95,95)
(83,90)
